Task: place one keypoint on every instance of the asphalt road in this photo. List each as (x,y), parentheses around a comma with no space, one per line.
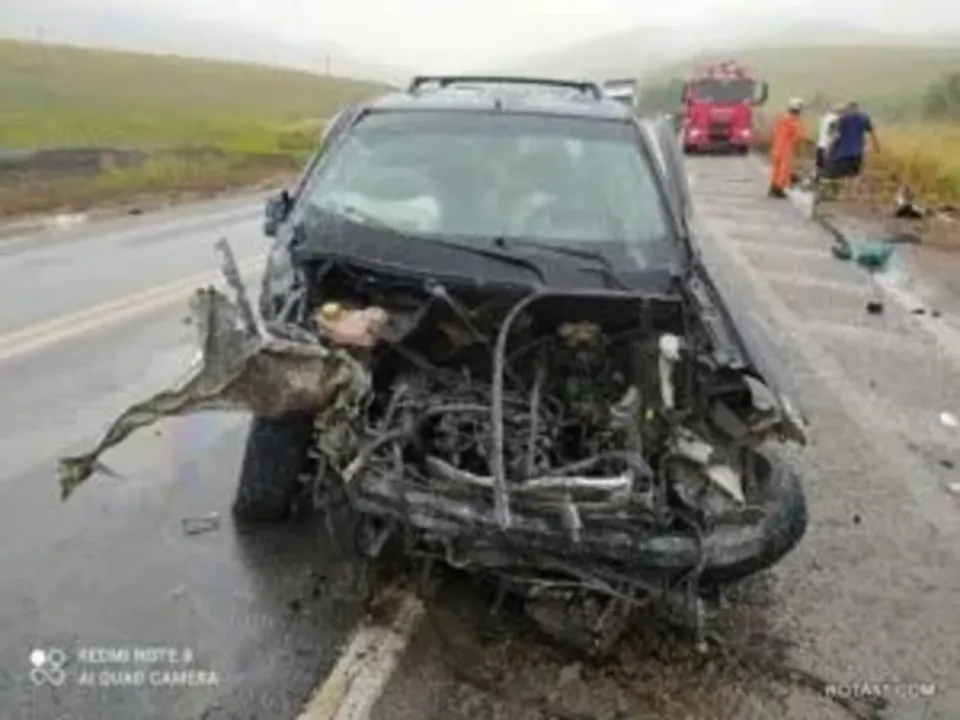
(870,597)
(113,568)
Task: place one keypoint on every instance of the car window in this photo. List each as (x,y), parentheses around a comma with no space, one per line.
(482,176)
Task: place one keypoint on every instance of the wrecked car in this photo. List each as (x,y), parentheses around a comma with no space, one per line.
(485,320)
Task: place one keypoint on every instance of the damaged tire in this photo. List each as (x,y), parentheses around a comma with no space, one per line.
(274,460)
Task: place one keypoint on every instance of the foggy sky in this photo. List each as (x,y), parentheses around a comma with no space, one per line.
(461,33)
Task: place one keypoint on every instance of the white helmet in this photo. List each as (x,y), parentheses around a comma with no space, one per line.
(795,103)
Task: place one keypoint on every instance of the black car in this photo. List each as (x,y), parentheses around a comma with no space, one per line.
(518,363)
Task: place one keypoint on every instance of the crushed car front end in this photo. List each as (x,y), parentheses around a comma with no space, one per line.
(566,409)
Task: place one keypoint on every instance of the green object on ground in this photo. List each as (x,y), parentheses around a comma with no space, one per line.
(873,255)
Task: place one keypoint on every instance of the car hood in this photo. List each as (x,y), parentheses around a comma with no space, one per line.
(473,261)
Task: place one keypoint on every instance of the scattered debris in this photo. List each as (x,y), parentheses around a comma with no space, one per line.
(906,205)
(202,524)
(949,419)
(842,251)
(873,255)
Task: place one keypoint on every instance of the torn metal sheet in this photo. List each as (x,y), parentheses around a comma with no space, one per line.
(243,367)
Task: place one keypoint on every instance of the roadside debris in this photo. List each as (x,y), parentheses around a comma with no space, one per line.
(873,256)
(907,206)
(203,524)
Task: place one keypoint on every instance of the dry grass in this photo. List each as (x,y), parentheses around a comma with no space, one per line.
(924,156)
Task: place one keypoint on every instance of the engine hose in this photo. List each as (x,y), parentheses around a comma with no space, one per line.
(501,500)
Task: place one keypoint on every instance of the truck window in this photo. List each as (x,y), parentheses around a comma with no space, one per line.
(723,91)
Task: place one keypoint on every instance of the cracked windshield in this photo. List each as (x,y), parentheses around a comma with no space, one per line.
(488,176)
(514,360)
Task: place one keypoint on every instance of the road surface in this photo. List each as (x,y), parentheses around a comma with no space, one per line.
(869,598)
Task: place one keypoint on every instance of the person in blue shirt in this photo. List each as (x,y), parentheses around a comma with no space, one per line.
(845,157)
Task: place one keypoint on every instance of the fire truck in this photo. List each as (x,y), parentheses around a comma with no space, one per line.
(718,103)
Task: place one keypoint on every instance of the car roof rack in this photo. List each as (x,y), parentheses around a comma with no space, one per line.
(583,86)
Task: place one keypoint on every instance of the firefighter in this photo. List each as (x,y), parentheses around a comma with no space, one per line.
(788,131)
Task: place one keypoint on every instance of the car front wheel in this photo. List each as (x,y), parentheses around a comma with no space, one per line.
(274,460)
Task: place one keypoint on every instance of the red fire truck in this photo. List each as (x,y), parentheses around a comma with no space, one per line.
(718,104)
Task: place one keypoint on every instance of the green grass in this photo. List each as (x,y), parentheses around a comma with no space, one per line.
(886,80)
(57,95)
(265,120)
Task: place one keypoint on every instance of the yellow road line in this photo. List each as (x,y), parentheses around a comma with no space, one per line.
(65,327)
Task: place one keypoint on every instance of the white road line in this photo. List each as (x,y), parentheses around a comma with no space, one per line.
(365,666)
(855,287)
(41,335)
(187,222)
(776,248)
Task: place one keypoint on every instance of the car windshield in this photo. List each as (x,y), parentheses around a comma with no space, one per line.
(477,177)
(724,91)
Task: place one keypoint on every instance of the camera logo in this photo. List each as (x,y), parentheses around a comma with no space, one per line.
(47,667)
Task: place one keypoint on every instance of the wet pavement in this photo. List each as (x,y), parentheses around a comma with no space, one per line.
(114,572)
(868,598)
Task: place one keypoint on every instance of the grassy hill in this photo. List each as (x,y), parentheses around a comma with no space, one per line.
(889,79)
(206,126)
(58,95)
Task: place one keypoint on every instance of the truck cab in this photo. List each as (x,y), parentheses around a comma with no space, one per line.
(718,109)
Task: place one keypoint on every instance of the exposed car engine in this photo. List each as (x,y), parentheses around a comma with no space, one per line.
(570,445)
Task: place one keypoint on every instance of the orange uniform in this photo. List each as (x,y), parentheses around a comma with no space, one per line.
(787,133)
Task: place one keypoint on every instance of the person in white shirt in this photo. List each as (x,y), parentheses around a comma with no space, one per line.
(825,137)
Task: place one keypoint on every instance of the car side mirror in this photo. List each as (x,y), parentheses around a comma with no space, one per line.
(763,91)
(275,212)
